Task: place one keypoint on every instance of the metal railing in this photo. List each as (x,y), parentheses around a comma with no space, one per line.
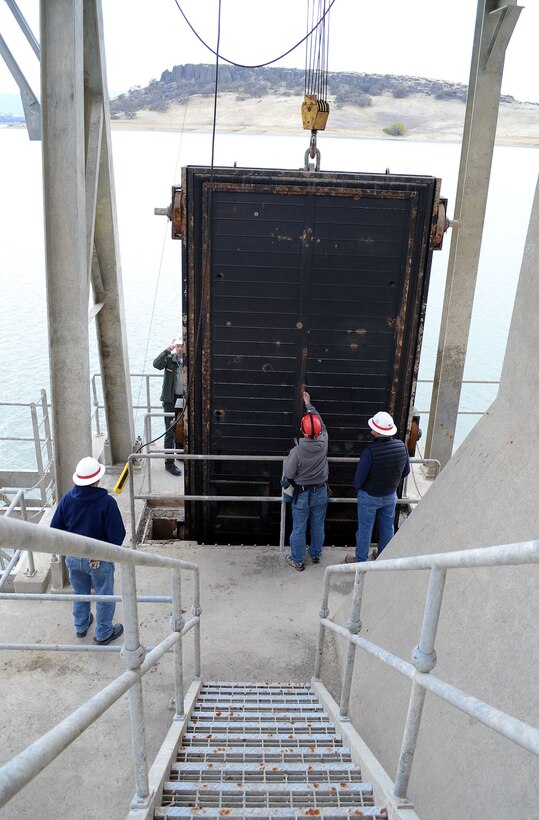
(42,439)
(136,458)
(464,381)
(148,406)
(424,655)
(19,771)
(7,561)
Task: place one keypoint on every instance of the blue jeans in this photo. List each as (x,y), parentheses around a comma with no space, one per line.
(82,578)
(367,507)
(309,506)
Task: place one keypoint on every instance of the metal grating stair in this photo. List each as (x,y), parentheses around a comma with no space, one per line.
(263,750)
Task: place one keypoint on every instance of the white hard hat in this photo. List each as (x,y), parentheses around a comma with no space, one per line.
(383,424)
(88,471)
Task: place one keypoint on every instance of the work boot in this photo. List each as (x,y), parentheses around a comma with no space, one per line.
(117,630)
(171,468)
(291,563)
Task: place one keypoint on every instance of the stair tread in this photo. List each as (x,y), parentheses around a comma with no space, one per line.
(330,813)
(263,750)
(254,767)
(264,753)
(271,738)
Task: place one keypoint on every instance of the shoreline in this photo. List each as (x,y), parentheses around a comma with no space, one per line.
(426,119)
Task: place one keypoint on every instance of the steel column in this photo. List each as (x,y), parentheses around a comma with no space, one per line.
(494,26)
(62,72)
(107,276)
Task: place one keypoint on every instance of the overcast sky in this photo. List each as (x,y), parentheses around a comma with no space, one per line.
(418,38)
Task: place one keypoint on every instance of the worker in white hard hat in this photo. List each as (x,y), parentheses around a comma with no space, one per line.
(382,466)
(88,509)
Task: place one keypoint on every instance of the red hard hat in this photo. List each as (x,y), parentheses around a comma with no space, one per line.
(311,425)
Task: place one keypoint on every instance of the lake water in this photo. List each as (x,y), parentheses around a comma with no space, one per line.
(147,164)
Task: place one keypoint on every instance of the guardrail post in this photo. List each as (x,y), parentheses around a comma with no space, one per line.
(354,626)
(48,439)
(282,526)
(30,570)
(131,483)
(148,396)
(424,659)
(177,623)
(147,439)
(39,455)
(196,611)
(323,613)
(133,655)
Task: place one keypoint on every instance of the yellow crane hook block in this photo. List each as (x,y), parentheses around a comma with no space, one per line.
(122,481)
(314,113)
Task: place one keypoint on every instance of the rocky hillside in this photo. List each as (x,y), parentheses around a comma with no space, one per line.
(184,81)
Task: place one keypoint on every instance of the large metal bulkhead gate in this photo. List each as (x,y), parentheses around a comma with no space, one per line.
(292,281)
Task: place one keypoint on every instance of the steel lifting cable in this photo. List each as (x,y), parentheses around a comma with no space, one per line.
(315,108)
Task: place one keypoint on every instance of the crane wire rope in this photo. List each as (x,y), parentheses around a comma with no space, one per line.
(259,65)
(165,232)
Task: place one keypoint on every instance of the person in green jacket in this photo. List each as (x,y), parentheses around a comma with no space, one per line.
(172,393)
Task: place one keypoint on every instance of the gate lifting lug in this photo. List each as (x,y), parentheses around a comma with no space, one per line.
(312,152)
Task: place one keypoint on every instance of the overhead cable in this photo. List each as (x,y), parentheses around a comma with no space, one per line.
(260,65)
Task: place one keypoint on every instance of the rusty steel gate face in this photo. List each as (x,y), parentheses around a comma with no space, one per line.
(296,280)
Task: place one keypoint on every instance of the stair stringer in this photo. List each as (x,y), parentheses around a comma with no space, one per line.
(382,785)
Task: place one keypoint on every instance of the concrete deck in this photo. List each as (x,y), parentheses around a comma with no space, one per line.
(259,622)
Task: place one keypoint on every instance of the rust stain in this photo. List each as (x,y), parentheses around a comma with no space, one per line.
(354,346)
(311,813)
(299,325)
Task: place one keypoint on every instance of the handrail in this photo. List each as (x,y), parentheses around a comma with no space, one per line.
(18,500)
(424,655)
(162,454)
(15,774)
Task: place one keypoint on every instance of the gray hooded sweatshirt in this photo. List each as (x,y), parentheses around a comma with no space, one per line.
(307,462)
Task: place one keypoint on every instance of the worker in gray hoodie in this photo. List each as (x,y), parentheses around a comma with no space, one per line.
(306,468)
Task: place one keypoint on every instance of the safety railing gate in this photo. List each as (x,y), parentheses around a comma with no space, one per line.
(424,655)
(19,771)
(152,455)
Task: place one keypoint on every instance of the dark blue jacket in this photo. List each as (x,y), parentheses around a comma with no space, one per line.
(382,466)
(90,511)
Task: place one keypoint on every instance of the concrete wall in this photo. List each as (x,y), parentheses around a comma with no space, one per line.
(488,638)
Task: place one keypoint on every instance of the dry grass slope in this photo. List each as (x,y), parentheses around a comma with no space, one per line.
(425,118)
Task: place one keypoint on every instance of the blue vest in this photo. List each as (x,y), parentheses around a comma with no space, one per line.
(388,462)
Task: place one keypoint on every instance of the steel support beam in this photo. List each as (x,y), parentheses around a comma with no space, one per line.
(62,83)
(104,263)
(30,103)
(494,26)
